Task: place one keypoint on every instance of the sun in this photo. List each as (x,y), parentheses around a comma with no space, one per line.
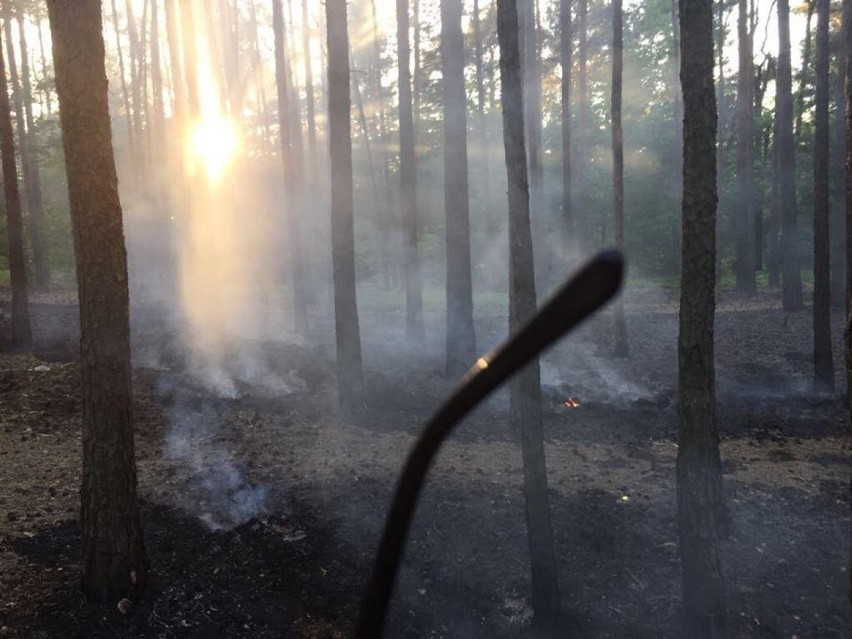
(214,142)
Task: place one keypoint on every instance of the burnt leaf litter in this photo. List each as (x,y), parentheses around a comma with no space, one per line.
(297,566)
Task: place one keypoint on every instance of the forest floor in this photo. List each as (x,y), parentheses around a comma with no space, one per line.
(261,512)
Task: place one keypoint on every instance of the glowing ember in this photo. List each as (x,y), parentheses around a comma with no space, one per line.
(571,402)
(214,142)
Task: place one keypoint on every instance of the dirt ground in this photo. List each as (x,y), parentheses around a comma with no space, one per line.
(262,511)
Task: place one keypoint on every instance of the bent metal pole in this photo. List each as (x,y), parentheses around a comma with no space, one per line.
(588,291)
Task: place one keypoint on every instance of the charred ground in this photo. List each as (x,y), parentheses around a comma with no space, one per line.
(298,567)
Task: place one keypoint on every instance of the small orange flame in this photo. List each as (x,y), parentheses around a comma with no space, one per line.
(571,403)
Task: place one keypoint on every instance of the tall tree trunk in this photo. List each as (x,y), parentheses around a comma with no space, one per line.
(699,472)
(309,90)
(823,365)
(113,556)
(342,232)
(774,239)
(156,69)
(461,340)
(418,65)
(257,70)
(292,164)
(179,97)
(745,159)
(566,45)
(482,126)
(847,65)
(128,109)
(532,121)
(190,55)
(229,34)
(21,332)
(45,74)
(22,97)
(621,349)
(786,154)
(838,166)
(678,103)
(408,179)
(365,134)
(721,148)
(806,67)
(145,115)
(136,66)
(745,257)
(383,205)
(581,157)
(525,388)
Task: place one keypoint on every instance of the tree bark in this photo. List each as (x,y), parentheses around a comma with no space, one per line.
(408,180)
(823,364)
(342,230)
(292,165)
(113,556)
(581,138)
(566,46)
(531,70)
(621,349)
(22,98)
(806,66)
(786,158)
(179,98)
(156,69)
(190,55)
(461,340)
(847,64)
(482,125)
(128,109)
(21,337)
(525,388)
(745,255)
(699,473)
(838,166)
(309,90)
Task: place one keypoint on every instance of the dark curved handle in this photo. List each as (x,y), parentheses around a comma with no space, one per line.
(587,292)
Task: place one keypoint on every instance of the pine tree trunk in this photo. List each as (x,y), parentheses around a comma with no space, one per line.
(721,148)
(179,97)
(838,166)
(532,121)
(525,388)
(786,145)
(342,232)
(22,96)
(113,557)
(581,156)
(292,164)
(408,181)
(823,365)
(461,340)
(745,256)
(156,70)
(125,92)
(566,45)
(490,214)
(621,349)
(45,74)
(806,67)
(190,54)
(21,337)
(309,90)
(699,473)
